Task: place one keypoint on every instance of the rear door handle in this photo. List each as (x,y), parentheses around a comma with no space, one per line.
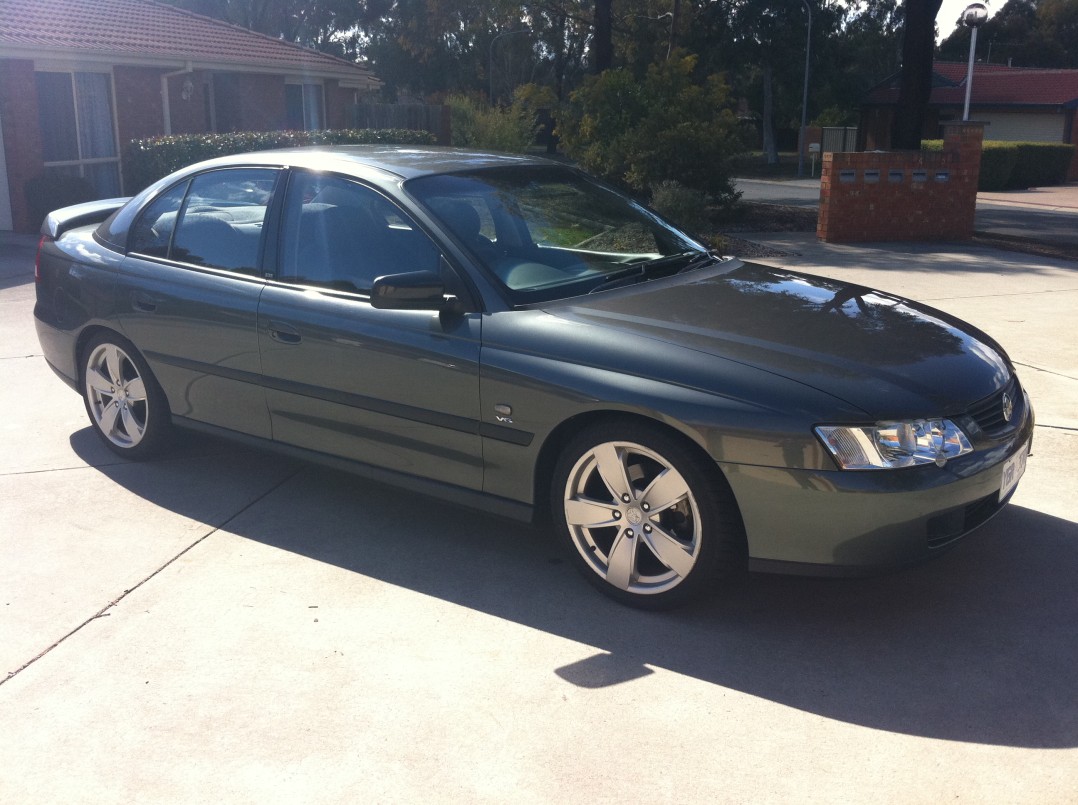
(285,333)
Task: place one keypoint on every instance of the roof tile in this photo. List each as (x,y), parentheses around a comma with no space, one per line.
(993,85)
(145,28)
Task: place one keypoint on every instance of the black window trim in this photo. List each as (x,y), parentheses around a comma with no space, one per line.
(268,222)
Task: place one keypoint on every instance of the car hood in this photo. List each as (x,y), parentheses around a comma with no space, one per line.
(888,356)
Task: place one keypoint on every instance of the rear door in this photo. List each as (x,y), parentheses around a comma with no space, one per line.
(188,294)
(394,389)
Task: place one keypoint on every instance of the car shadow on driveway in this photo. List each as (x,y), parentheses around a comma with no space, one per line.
(978,646)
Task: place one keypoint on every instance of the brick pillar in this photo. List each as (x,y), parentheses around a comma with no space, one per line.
(823,221)
(22,136)
(964,142)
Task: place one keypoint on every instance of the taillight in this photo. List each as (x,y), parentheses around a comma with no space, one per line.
(37,260)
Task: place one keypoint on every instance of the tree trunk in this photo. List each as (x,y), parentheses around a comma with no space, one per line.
(771,150)
(918,47)
(602,42)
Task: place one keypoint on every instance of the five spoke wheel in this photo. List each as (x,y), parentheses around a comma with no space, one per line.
(632,517)
(117,395)
(126,406)
(649,520)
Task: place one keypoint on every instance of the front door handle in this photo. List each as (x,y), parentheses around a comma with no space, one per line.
(284,333)
(144,302)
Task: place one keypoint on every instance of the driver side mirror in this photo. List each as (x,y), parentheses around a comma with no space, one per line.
(416,290)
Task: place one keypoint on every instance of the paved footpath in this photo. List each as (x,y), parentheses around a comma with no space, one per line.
(229,626)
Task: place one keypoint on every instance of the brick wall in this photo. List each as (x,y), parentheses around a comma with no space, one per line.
(22,141)
(138,103)
(903,195)
(249,102)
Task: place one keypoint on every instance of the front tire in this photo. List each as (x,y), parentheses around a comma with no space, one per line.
(649,520)
(126,406)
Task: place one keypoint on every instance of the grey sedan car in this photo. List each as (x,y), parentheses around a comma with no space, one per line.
(509,334)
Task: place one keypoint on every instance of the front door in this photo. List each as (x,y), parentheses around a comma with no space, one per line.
(393,389)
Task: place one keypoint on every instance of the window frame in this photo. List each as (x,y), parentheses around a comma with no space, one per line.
(285,191)
(81,163)
(307,90)
(267,236)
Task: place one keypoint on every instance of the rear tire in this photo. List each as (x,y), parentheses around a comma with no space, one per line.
(123,399)
(649,520)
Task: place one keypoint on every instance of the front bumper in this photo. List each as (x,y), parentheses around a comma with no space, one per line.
(857,522)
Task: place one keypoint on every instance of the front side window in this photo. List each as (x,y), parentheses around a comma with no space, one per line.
(78,138)
(342,235)
(214,220)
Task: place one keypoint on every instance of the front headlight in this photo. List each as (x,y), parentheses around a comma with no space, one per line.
(890,445)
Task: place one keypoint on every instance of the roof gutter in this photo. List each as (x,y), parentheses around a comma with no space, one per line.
(166,106)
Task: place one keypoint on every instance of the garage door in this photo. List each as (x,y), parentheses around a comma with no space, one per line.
(1031,127)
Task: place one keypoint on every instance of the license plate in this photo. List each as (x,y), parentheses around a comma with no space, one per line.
(1012,471)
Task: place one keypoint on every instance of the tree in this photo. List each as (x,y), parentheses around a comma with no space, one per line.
(670,125)
(770,50)
(602,44)
(915,84)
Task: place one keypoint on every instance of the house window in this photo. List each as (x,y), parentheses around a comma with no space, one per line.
(77,132)
(303,107)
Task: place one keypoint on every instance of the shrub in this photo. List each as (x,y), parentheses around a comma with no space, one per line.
(998,159)
(685,207)
(50,191)
(513,128)
(146,161)
(1041,164)
(669,126)
(1015,166)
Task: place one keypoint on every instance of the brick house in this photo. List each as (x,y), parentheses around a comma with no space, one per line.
(1014,103)
(78,80)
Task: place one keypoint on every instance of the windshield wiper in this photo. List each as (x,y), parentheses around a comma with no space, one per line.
(636,271)
(700,260)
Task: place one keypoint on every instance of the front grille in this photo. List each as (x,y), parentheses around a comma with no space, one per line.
(988,413)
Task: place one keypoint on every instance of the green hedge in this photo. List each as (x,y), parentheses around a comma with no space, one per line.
(1016,166)
(1041,164)
(146,161)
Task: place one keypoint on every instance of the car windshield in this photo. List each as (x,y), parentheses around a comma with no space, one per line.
(549,232)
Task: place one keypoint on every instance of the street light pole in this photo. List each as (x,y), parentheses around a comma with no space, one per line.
(805,94)
(490,57)
(973,17)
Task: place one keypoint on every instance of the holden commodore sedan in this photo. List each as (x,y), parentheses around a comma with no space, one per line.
(509,334)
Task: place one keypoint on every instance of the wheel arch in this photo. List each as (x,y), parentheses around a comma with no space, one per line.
(82,341)
(88,334)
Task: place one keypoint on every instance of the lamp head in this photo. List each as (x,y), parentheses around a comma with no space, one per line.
(975,15)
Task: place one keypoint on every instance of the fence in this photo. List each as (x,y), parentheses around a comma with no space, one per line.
(838,139)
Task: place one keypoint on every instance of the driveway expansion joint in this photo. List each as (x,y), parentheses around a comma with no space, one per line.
(105,611)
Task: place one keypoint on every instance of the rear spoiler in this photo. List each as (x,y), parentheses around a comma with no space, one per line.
(59,221)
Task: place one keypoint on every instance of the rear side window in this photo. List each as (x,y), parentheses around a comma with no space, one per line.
(153,232)
(214,220)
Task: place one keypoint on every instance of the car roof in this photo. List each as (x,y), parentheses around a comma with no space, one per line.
(406,162)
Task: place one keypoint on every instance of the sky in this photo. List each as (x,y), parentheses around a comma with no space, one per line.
(951,10)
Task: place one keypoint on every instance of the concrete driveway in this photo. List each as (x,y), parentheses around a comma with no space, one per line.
(226,625)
